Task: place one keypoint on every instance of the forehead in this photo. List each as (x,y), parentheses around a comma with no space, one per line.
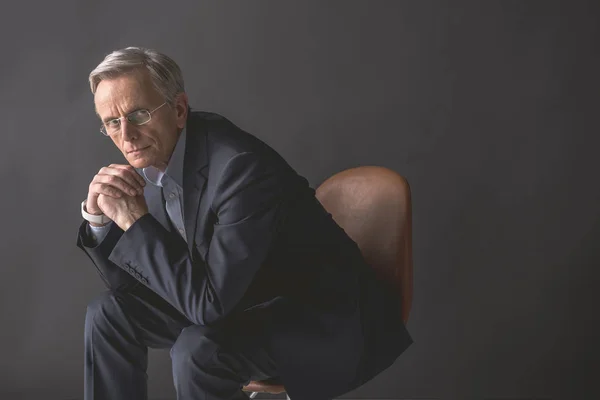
(123,94)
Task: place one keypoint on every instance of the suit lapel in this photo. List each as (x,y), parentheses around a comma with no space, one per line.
(194,179)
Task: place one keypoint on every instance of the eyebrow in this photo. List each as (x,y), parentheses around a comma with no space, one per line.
(133,109)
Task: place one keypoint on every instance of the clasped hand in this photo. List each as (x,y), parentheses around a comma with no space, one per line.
(117,191)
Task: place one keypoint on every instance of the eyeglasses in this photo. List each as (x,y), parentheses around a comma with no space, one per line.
(137,117)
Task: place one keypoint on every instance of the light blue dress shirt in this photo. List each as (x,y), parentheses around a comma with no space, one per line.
(171,182)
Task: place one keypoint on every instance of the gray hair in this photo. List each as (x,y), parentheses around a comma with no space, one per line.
(166,75)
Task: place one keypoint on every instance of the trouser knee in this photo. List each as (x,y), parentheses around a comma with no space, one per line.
(106,313)
(193,349)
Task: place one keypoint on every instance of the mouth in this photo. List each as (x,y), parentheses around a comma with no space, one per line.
(137,151)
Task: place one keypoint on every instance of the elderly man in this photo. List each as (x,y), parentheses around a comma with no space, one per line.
(212,246)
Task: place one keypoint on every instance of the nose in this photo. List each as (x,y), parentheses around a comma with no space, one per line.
(128,130)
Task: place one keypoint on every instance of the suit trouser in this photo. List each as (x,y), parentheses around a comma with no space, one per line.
(119,329)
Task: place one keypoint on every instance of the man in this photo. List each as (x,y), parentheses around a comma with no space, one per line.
(212,246)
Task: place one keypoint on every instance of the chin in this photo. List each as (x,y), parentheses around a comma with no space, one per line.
(139,162)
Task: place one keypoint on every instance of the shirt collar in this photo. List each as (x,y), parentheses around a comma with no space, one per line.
(174,167)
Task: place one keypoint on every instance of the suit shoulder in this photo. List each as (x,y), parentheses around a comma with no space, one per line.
(226,140)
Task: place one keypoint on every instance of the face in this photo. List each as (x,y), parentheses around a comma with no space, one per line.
(154,140)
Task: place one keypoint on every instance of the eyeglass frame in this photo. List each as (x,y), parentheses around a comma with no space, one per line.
(104,131)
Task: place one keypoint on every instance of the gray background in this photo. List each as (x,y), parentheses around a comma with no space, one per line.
(490,109)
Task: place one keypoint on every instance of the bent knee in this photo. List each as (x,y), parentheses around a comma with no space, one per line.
(192,347)
(102,308)
(101,302)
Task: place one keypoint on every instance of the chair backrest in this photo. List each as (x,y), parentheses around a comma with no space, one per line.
(373,205)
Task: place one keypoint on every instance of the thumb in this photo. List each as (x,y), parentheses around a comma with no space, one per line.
(91,205)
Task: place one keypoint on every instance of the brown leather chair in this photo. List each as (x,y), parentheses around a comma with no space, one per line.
(373,205)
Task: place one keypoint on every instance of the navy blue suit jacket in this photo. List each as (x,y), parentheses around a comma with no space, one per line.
(262,251)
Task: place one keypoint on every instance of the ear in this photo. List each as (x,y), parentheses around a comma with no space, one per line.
(181,109)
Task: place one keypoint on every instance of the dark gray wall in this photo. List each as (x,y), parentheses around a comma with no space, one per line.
(490,109)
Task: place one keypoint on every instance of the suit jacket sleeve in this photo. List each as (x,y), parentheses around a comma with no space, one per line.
(246,202)
(113,276)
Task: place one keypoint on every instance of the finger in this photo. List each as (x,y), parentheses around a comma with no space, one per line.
(91,201)
(130,175)
(91,205)
(110,191)
(119,179)
(129,169)
(107,190)
(111,186)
